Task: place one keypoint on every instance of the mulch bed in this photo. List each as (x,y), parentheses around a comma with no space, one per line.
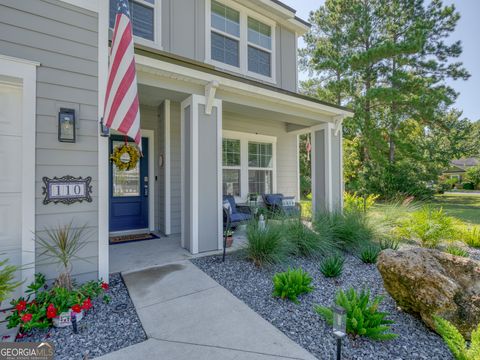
(105,327)
(301,324)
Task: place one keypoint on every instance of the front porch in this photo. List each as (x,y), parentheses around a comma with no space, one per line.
(215,137)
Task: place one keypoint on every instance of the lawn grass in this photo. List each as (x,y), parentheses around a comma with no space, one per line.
(465,207)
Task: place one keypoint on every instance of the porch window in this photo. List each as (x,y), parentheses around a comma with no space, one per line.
(225,35)
(260,168)
(231,159)
(259,47)
(142,13)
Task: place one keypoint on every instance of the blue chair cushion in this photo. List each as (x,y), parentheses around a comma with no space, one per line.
(274,199)
(239,217)
(231,200)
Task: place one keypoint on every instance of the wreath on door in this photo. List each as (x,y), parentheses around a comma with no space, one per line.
(125,157)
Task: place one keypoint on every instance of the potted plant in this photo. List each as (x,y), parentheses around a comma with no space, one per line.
(229,234)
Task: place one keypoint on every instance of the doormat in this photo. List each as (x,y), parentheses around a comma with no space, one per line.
(130,238)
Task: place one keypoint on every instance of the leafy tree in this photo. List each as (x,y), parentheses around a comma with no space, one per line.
(473,175)
(389,61)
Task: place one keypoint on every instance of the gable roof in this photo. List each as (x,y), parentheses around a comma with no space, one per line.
(465,162)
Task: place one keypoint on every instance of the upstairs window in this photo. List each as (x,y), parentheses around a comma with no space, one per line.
(142,13)
(240,40)
(259,47)
(225,35)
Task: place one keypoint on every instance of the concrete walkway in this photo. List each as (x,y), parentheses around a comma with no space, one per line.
(187,315)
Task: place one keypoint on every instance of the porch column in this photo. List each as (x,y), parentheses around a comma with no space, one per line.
(201,175)
(327,173)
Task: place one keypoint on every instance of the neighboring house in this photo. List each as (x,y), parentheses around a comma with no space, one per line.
(458,168)
(220,113)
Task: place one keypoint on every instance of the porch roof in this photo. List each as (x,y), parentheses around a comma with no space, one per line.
(202,73)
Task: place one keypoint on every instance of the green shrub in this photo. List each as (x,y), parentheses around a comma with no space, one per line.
(456,250)
(389,243)
(455,341)
(354,202)
(468,186)
(369,254)
(304,241)
(349,231)
(332,266)
(291,284)
(363,316)
(429,225)
(7,279)
(471,236)
(266,246)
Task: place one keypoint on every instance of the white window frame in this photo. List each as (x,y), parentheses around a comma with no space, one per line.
(261,48)
(245,138)
(157,25)
(245,13)
(237,167)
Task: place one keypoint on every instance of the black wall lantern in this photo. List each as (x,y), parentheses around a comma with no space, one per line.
(66,125)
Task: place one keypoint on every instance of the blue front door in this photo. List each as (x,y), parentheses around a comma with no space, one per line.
(129,192)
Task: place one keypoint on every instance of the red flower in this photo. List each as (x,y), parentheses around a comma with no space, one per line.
(26,318)
(76,308)
(87,304)
(21,305)
(105,286)
(51,311)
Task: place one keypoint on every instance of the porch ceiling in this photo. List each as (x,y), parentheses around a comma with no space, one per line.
(154,96)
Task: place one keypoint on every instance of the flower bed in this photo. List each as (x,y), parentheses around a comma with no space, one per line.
(106,326)
(299,322)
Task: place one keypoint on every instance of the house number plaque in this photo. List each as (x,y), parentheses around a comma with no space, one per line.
(67,190)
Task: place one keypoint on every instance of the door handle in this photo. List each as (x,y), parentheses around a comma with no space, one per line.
(145,190)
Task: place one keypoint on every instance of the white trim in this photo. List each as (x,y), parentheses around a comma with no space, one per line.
(167,166)
(26,72)
(298,168)
(328,155)
(194,172)
(103,164)
(245,138)
(231,89)
(86,4)
(342,184)
(245,13)
(150,135)
(219,106)
(313,165)
(187,102)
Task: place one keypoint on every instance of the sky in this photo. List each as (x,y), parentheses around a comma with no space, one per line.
(467,30)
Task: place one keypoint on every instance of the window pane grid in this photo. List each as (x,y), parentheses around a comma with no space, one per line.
(142,15)
(231,152)
(225,19)
(260,155)
(259,61)
(231,182)
(259,33)
(260,181)
(225,50)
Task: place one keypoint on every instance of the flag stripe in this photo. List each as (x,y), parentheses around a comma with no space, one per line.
(122,110)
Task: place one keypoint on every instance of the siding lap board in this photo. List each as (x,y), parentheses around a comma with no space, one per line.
(63,39)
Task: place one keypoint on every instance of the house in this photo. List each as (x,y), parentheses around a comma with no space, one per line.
(458,168)
(220,113)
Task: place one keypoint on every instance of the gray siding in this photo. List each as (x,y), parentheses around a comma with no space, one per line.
(320,171)
(63,39)
(183,33)
(175,170)
(207,181)
(337,188)
(160,205)
(287,180)
(187,179)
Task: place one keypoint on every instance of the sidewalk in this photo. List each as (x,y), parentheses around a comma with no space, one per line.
(187,315)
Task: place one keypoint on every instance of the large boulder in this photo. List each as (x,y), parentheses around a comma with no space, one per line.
(430,282)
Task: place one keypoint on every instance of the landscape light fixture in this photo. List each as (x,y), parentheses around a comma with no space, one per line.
(339,327)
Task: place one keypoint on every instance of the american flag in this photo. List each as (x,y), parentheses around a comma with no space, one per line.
(122,111)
